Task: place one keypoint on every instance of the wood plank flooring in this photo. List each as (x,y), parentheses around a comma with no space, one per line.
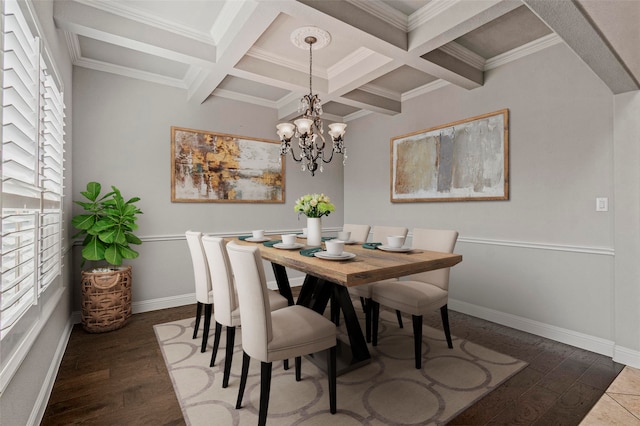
(119,378)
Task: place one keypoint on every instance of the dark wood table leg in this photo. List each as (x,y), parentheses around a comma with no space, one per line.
(282,280)
(315,294)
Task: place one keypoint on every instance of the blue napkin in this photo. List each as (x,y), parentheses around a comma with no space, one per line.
(310,251)
(271,243)
(371,245)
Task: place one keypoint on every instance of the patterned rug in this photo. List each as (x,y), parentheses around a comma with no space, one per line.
(388,391)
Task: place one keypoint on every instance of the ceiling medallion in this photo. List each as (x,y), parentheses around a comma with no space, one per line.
(299,37)
(308,128)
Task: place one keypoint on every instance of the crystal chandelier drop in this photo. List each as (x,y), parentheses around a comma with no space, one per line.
(309,128)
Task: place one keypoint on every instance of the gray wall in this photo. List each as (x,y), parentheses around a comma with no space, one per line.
(123,127)
(543,260)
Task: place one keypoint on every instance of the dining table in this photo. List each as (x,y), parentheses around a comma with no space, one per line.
(327,280)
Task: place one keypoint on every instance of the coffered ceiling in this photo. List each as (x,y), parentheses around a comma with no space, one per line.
(381,52)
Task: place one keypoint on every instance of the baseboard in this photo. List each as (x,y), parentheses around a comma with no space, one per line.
(42,400)
(570,337)
(626,356)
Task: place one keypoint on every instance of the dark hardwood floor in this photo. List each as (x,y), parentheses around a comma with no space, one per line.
(119,378)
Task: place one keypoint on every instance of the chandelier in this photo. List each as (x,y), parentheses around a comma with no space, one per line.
(309,128)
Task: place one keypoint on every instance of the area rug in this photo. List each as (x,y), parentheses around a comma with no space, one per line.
(388,391)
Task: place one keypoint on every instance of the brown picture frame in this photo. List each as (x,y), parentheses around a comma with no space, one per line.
(461,161)
(212,167)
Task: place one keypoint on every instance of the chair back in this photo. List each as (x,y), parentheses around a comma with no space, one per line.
(224,292)
(359,233)
(255,311)
(434,240)
(200,267)
(380,233)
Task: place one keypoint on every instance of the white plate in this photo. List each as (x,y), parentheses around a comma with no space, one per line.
(343,256)
(257,240)
(288,246)
(398,249)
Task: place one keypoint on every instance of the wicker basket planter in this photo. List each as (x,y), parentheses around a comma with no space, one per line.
(106,299)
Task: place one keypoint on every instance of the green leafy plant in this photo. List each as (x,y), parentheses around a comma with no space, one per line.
(107,225)
(314,205)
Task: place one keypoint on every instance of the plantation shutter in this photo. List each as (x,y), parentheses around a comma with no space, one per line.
(32,139)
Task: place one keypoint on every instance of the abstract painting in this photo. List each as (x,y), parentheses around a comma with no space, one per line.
(460,161)
(214,167)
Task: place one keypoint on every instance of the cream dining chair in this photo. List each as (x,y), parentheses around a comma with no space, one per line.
(204,293)
(418,293)
(380,234)
(359,233)
(227,312)
(269,336)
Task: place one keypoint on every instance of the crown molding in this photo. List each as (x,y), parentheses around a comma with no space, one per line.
(73,46)
(467,56)
(522,51)
(356,115)
(428,12)
(131,73)
(383,11)
(265,55)
(430,87)
(139,15)
(236,96)
(379,91)
(349,61)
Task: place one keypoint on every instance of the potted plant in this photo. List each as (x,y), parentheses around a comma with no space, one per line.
(106,226)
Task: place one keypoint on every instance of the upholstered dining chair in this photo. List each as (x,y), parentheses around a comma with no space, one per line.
(419,293)
(272,336)
(204,293)
(380,234)
(227,311)
(359,233)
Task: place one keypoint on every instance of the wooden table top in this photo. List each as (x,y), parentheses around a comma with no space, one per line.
(367,266)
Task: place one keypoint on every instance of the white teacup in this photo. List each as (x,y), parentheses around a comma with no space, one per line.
(334,247)
(289,239)
(395,241)
(344,235)
(258,234)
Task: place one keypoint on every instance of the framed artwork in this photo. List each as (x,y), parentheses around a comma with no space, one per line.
(460,161)
(210,167)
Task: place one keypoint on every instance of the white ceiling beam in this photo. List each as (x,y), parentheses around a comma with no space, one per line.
(248,23)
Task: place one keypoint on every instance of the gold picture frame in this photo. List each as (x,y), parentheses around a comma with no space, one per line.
(211,167)
(460,161)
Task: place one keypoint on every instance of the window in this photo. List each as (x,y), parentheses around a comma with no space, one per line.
(32,167)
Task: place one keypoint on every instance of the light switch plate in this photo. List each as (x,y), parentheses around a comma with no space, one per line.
(602,204)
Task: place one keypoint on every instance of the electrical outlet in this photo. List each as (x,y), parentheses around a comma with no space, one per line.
(602,204)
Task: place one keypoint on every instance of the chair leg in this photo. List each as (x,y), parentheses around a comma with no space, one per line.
(208,308)
(265,388)
(375,313)
(298,368)
(367,319)
(286,364)
(198,315)
(417,339)
(331,372)
(399,315)
(231,338)
(216,343)
(243,378)
(363,303)
(444,313)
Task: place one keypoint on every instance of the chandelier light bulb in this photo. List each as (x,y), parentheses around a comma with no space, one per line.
(336,130)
